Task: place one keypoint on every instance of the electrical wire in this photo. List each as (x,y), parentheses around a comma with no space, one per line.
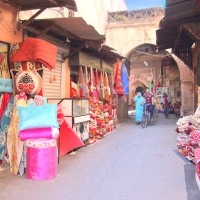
(6,28)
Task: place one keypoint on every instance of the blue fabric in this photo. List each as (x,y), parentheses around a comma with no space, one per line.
(37,117)
(5,122)
(139,107)
(6,85)
(125,81)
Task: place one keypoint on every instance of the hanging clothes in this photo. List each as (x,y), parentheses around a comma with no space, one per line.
(4,103)
(118,82)
(5,122)
(93,84)
(97,83)
(125,79)
(151,86)
(86,81)
(4,70)
(101,86)
(14,144)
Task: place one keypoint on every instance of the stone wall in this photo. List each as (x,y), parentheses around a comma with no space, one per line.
(126,31)
(187,87)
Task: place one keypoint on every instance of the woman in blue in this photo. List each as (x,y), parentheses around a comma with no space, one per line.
(139,103)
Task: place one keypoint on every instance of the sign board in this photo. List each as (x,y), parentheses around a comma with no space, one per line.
(160,90)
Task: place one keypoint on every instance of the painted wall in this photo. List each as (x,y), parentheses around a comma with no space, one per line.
(8,24)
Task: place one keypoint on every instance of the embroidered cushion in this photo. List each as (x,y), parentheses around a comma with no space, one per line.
(37,117)
(6,85)
(30,82)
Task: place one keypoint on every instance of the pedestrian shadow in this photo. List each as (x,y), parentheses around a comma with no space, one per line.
(192,189)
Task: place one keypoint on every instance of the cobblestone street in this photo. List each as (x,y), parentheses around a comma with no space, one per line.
(129,164)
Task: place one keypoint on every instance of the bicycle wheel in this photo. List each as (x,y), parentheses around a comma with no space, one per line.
(144,120)
(155,113)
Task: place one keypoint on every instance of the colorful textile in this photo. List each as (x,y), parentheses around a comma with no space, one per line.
(125,79)
(4,70)
(37,50)
(101,86)
(48,133)
(97,83)
(41,159)
(4,103)
(5,122)
(196,135)
(197,155)
(14,144)
(139,107)
(6,85)
(118,82)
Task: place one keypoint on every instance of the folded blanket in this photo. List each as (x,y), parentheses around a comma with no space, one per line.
(37,50)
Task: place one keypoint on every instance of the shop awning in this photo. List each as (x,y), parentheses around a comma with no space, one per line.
(75,27)
(180,11)
(40,4)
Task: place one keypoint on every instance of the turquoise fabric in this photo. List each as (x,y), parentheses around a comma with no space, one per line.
(37,117)
(6,85)
(5,122)
(139,107)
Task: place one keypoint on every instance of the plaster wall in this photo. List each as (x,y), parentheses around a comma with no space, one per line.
(94,12)
(8,24)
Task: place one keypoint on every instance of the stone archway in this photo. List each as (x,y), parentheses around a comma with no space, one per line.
(145,65)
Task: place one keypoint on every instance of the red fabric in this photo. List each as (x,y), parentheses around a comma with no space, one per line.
(196,136)
(166,101)
(5,101)
(97,83)
(197,155)
(36,50)
(118,82)
(68,139)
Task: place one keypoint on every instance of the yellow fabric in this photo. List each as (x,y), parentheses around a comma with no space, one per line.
(14,144)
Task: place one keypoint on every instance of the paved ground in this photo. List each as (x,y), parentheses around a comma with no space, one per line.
(129,164)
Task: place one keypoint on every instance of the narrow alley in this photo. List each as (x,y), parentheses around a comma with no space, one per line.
(130,163)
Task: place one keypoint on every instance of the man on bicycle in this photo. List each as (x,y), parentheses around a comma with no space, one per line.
(149,102)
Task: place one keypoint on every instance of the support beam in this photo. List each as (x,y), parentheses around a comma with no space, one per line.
(75,51)
(195,8)
(30,20)
(48,28)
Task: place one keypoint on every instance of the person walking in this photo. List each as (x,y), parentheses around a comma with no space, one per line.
(139,104)
(166,101)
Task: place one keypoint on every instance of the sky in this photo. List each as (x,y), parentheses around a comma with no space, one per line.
(138,4)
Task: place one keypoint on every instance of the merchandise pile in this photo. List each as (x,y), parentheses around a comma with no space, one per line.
(188,138)
(101,120)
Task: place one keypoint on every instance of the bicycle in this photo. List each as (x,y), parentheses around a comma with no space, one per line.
(146,116)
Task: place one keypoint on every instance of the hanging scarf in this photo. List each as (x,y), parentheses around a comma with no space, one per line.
(5,122)
(107,83)
(97,83)
(118,82)
(86,80)
(101,86)
(4,103)
(125,79)
(93,84)
(151,86)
